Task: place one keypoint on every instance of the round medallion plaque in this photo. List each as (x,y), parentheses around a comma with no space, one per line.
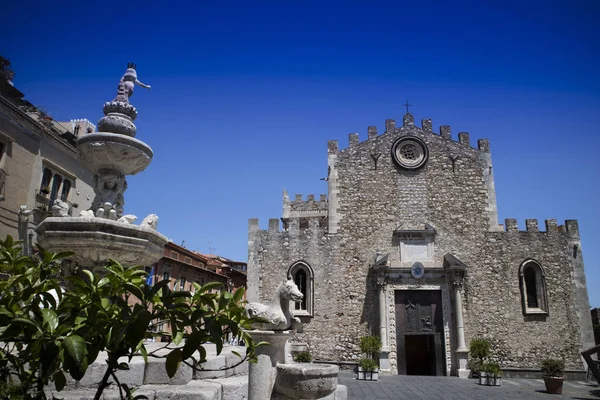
(410,152)
(417,270)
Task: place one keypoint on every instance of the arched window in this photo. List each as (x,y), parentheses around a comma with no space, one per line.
(532,280)
(302,274)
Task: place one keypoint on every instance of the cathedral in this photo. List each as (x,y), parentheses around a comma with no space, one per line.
(407,245)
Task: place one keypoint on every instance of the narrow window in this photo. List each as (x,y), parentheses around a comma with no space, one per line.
(174,255)
(531,287)
(65,190)
(302,275)
(56,181)
(532,282)
(300,280)
(166,277)
(46,178)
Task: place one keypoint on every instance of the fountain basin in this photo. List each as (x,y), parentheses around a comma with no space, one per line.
(97,240)
(113,151)
(306,380)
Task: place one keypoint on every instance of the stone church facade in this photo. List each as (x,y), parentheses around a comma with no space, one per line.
(407,246)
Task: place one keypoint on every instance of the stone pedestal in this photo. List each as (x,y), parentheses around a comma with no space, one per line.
(384,362)
(262,374)
(296,380)
(462,359)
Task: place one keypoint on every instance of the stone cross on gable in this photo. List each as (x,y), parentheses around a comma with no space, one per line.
(407,105)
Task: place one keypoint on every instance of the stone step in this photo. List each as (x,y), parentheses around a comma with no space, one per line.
(231,388)
(154,373)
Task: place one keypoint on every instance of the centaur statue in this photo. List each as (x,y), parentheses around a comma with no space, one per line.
(277,315)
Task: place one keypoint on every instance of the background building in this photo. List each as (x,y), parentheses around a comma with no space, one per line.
(38,163)
(234,270)
(407,246)
(183,268)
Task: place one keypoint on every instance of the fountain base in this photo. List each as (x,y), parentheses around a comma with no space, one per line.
(97,240)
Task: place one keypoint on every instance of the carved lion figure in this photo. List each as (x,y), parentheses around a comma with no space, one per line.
(60,208)
(151,221)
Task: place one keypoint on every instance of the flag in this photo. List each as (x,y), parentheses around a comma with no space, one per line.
(150,276)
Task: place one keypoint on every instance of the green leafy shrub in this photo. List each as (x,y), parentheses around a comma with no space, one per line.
(47,332)
(12,391)
(492,369)
(553,367)
(480,348)
(371,346)
(368,364)
(479,351)
(303,357)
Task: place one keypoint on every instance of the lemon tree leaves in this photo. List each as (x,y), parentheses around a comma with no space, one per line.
(61,332)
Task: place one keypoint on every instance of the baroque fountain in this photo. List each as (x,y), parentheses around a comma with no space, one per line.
(104,232)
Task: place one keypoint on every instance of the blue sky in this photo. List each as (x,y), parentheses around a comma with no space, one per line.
(246,94)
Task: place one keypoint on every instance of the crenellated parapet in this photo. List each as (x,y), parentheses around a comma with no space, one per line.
(287,227)
(408,121)
(308,208)
(570,226)
(304,213)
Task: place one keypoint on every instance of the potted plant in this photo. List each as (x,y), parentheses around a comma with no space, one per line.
(368,370)
(479,351)
(45,190)
(553,370)
(368,367)
(303,357)
(490,375)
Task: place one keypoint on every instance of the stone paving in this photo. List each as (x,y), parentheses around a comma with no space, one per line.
(400,387)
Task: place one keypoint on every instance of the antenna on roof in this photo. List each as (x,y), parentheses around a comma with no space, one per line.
(211,249)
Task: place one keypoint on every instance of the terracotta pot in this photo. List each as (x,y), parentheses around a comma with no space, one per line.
(554,384)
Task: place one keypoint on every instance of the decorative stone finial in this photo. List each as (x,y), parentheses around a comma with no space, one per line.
(119,114)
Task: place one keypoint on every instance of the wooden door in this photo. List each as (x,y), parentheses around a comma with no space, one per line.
(419,330)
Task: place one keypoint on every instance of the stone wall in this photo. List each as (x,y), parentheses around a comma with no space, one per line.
(493,303)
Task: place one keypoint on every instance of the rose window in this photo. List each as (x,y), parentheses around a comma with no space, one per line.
(410,152)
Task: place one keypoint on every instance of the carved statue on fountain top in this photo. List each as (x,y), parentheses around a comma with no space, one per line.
(119,114)
(127,83)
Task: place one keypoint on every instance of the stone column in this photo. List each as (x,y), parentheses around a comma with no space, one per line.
(462,352)
(384,356)
(262,374)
